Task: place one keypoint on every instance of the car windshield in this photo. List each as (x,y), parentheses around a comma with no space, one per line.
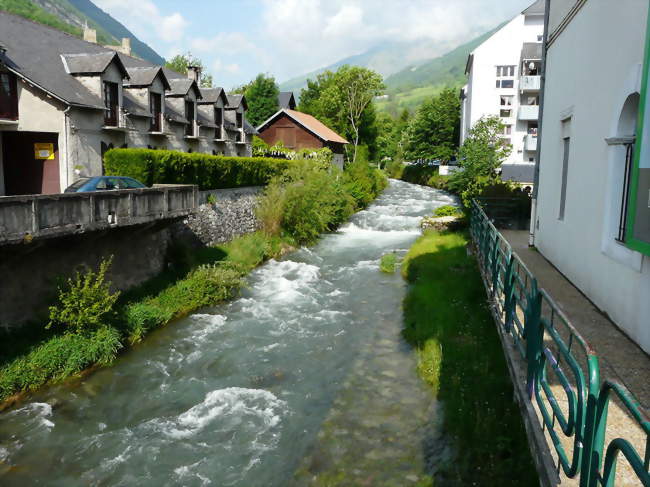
(78,183)
(132,183)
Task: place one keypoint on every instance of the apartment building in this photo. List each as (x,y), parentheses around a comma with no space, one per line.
(65,101)
(593,213)
(504,81)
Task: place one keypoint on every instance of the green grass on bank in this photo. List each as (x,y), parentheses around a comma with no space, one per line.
(459,355)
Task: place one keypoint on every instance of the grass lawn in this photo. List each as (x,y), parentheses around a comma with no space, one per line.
(459,355)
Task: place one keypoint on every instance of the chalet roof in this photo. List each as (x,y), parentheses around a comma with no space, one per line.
(133,107)
(235,100)
(145,76)
(92,62)
(531,51)
(312,124)
(182,86)
(212,95)
(536,8)
(286,100)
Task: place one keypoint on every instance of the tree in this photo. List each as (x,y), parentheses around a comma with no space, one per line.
(262,97)
(433,132)
(480,157)
(180,63)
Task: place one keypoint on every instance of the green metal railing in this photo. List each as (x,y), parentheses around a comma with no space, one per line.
(554,353)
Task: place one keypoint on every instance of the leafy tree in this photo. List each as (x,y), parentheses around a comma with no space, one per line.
(262,97)
(433,132)
(480,157)
(180,63)
(390,134)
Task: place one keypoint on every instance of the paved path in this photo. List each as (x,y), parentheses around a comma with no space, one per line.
(620,358)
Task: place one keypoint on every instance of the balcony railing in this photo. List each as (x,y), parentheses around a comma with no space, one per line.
(528,112)
(530,142)
(530,83)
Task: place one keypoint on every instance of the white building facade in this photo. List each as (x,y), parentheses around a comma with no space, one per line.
(504,81)
(591,102)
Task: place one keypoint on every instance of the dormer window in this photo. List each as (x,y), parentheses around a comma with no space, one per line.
(111,102)
(240,120)
(155,106)
(218,121)
(189,115)
(8,97)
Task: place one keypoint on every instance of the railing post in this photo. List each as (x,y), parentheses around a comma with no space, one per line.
(595,426)
(495,267)
(534,335)
(508,291)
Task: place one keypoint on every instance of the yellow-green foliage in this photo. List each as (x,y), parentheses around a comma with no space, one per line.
(208,172)
(447,210)
(387,263)
(459,354)
(85,303)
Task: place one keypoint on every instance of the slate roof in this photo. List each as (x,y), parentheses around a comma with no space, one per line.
(91,63)
(249,129)
(132,107)
(531,50)
(145,76)
(182,86)
(536,8)
(212,95)
(235,100)
(312,124)
(286,100)
(520,173)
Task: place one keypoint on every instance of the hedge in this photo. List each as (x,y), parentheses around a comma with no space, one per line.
(208,172)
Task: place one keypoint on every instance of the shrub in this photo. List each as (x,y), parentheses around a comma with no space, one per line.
(439,181)
(208,172)
(418,173)
(142,317)
(387,263)
(85,303)
(394,169)
(447,210)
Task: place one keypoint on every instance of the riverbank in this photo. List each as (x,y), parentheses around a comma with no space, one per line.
(460,357)
(295,208)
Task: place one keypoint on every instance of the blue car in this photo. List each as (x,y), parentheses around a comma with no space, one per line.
(103,183)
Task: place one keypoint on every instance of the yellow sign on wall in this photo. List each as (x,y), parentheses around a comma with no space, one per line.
(44,151)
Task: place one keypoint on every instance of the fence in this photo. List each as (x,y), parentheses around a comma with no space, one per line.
(562,372)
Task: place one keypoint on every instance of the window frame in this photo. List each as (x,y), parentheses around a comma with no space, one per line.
(10,110)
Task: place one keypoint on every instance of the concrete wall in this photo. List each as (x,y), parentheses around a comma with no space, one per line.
(586,94)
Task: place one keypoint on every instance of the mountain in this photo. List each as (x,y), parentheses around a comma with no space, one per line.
(71,16)
(386,58)
(413,84)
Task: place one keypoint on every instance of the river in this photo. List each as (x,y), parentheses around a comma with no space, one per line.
(303,380)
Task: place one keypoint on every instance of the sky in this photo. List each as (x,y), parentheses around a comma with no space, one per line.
(237,39)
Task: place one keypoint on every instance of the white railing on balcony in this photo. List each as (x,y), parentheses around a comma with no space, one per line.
(530,142)
(530,83)
(528,112)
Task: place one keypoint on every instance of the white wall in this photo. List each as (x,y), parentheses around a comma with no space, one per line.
(590,85)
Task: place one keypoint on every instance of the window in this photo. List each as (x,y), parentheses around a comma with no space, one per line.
(505,83)
(111,102)
(505,113)
(218,121)
(531,100)
(507,130)
(240,120)
(189,115)
(8,96)
(506,100)
(625,196)
(566,144)
(505,71)
(155,105)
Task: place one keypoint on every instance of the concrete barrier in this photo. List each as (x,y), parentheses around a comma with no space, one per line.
(25,218)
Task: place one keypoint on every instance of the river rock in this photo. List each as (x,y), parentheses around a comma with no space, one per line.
(442,223)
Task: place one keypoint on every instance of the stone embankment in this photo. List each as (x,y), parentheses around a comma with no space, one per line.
(229,214)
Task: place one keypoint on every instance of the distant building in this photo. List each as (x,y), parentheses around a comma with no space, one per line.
(65,101)
(297,130)
(587,172)
(286,100)
(504,80)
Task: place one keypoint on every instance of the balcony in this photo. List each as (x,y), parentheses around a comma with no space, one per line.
(530,83)
(530,142)
(528,112)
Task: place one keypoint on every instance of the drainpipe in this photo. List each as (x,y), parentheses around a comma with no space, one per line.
(67,148)
(533,209)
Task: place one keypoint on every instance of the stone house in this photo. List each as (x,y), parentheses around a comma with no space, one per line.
(297,130)
(65,101)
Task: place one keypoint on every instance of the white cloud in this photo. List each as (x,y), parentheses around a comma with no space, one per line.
(232,42)
(143,17)
(218,66)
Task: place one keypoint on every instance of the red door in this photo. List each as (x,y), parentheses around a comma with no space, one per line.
(23,172)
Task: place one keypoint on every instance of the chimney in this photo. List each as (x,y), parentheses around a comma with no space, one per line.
(126,45)
(90,35)
(194,73)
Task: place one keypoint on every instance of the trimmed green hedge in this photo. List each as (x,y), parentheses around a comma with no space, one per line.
(208,172)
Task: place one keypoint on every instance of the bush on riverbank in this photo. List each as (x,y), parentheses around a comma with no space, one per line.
(208,172)
(309,199)
(459,355)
